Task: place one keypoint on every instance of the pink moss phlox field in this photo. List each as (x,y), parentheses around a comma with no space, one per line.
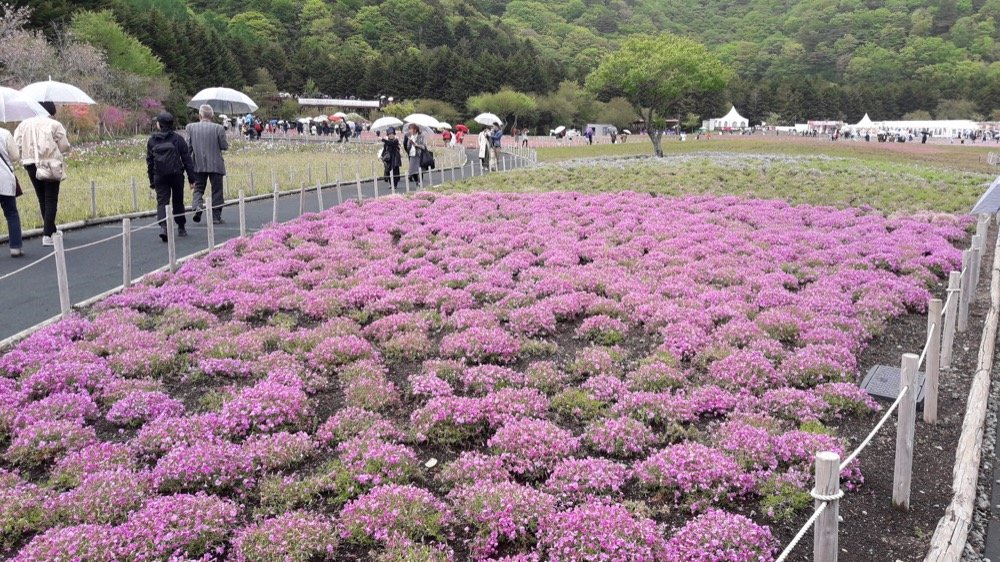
(596,377)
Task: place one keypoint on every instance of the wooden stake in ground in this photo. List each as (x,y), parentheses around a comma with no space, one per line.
(302,199)
(826,531)
(171,240)
(952,530)
(135,197)
(963,301)
(906,418)
(62,277)
(243,215)
(126,252)
(950,320)
(933,359)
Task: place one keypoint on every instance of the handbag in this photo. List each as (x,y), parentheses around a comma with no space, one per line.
(427,159)
(49,169)
(17,183)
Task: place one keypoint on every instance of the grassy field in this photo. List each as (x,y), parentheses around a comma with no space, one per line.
(112,167)
(884,184)
(948,156)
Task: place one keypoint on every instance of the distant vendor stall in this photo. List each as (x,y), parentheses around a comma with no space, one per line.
(732,121)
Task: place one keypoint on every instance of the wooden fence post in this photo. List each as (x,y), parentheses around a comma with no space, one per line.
(243,214)
(326,170)
(905,420)
(948,330)
(210,223)
(933,359)
(274,204)
(340,194)
(93,199)
(374,180)
(977,254)
(171,238)
(357,179)
(135,197)
(302,198)
(963,301)
(274,179)
(407,181)
(827,529)
(319,197)
(126,252)
(62,277)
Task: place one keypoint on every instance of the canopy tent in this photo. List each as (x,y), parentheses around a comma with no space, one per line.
(865,123)
(732,120)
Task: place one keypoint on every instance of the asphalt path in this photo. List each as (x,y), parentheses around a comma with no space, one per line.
(94,267)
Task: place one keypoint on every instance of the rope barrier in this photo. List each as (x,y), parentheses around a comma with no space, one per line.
(94,243)
(32,264)
(927,343)
(874,430)
(944,308)
(802,532)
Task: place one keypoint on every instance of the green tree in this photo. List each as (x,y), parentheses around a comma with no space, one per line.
(123,51)
(658,76)
(508,104)
(957,109)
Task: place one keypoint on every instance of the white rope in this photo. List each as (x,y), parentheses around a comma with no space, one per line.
(802,532)
(32,264)
(96,242)
(832,498)
(947,302)
(877,427)
(927,343)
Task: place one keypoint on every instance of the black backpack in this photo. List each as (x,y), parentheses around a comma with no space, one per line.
(166,158)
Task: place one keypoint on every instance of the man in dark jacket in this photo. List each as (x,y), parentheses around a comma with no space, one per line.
(167,159)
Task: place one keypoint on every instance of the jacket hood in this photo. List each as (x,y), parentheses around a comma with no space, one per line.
(162,135)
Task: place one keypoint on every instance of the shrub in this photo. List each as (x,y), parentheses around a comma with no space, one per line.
(296,536)
(395,512)
(717,536)
(501,512)
(180,526)
(531,447)
(601,531)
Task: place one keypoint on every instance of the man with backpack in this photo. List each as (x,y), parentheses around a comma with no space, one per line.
(167,159)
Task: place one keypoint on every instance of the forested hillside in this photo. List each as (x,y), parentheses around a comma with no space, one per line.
(793,59)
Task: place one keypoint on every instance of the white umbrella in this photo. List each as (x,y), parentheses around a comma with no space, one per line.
(488,119)
(57,92)
(626,132)
(15,106)
(305,120)
(340,114)
(423,120)
(383,123)
(322,119)
(223,99)
(989,203)
(559,129)
(445,125)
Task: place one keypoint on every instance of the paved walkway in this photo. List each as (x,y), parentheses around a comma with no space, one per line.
(32,296)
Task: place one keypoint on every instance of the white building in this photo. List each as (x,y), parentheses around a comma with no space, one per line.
(941,128)
(731,122)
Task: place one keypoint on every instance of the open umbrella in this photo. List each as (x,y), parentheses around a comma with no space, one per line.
(15,106)
(223,99)
(321,119)
(383,123)
(462,128)
(57,92)
(423,120)
(356,117)
(559,129)
(305,120)
(340,114)
(989,203)
(445,125)
(488,119)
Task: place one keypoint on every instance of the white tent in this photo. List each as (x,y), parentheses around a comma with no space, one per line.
(732,120)
(865,123)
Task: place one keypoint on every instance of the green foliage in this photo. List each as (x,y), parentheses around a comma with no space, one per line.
(123,51)
(507,104)
(781,500)
(657,75)
(576,405)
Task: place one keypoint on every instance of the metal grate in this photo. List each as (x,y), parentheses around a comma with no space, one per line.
(882,382)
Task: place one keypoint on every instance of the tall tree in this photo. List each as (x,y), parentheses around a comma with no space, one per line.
(658,75)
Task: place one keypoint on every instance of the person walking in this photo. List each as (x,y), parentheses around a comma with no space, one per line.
(524,137)
(42,144)
(208,141)
(9,189)
(391,157)
(414,144)
(168,157)
(485,140)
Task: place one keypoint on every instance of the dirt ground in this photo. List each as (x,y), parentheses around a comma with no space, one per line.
(872,529)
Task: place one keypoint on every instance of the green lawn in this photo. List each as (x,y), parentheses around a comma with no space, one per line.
(884,184)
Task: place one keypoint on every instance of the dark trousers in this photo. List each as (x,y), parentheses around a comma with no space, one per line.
(9,205)
(391,172)
(170,190)
(47,192)
(201,181)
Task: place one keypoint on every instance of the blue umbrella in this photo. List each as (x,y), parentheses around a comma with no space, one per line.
(989,203)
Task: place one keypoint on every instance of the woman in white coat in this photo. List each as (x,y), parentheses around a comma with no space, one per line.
(485,140)
(9,155)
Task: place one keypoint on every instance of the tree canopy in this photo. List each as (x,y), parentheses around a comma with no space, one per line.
(659,76)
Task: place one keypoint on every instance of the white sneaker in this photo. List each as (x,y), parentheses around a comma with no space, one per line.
(47,241)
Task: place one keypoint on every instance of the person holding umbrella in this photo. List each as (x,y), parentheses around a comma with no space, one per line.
(391,157)
(415,145)
(167,159)
(208,141)
(42,143)
(9,191)
(485,140)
